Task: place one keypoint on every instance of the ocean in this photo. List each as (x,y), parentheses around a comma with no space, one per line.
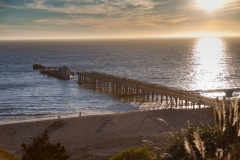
(188,64)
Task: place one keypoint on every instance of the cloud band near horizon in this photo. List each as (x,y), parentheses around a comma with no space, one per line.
(33,19)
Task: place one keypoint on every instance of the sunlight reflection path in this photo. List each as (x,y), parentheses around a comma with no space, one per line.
(210,66)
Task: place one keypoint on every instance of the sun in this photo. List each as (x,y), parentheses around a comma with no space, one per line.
(210,5)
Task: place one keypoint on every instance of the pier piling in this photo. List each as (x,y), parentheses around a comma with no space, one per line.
(138,91)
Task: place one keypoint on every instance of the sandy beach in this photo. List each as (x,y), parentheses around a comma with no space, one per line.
(101,136)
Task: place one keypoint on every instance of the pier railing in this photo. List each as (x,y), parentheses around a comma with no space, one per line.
(138,91)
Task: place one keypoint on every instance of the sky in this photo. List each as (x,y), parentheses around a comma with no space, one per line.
(84,19)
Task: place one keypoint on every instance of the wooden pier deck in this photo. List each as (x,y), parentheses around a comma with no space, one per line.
(138,91)
(228,92)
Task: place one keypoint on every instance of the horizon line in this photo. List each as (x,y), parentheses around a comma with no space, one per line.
(116,38)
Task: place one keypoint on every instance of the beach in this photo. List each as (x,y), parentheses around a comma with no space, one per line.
(101,136)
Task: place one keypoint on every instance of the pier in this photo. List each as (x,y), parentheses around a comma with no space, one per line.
(228,92)
(143,92)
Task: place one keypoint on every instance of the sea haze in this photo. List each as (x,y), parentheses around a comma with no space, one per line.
(189,64)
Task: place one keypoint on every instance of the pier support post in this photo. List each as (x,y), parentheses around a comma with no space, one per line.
(152,96)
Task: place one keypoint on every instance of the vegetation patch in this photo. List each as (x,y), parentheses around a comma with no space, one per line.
(206,141)
(143,153)
(42,149)
(220,140)
(4,155)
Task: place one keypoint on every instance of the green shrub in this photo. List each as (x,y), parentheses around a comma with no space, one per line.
(234,151)
(143,153)
(209,133)
(221,140)
(42,149)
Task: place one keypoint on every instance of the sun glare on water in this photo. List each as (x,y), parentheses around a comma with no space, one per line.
(209,59)
(210,5)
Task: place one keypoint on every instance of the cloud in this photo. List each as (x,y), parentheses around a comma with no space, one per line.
(153,23)
(5,26)
(117,17)
(233,7)
(68,9)
(91,6)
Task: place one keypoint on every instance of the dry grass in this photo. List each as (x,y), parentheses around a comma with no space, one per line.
(230,127)
(163,121)
(6,155)
(189,149)
(200,145)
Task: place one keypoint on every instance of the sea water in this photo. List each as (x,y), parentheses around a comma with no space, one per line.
(188,64)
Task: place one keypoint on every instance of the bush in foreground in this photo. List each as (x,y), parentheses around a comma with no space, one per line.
(42,149)
(143,153)
(4,155)
(218,141)
(208,136)
(205,141)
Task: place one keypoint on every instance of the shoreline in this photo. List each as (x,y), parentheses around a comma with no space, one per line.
(25,119)
(54,116)
(101,136)
(71,114)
